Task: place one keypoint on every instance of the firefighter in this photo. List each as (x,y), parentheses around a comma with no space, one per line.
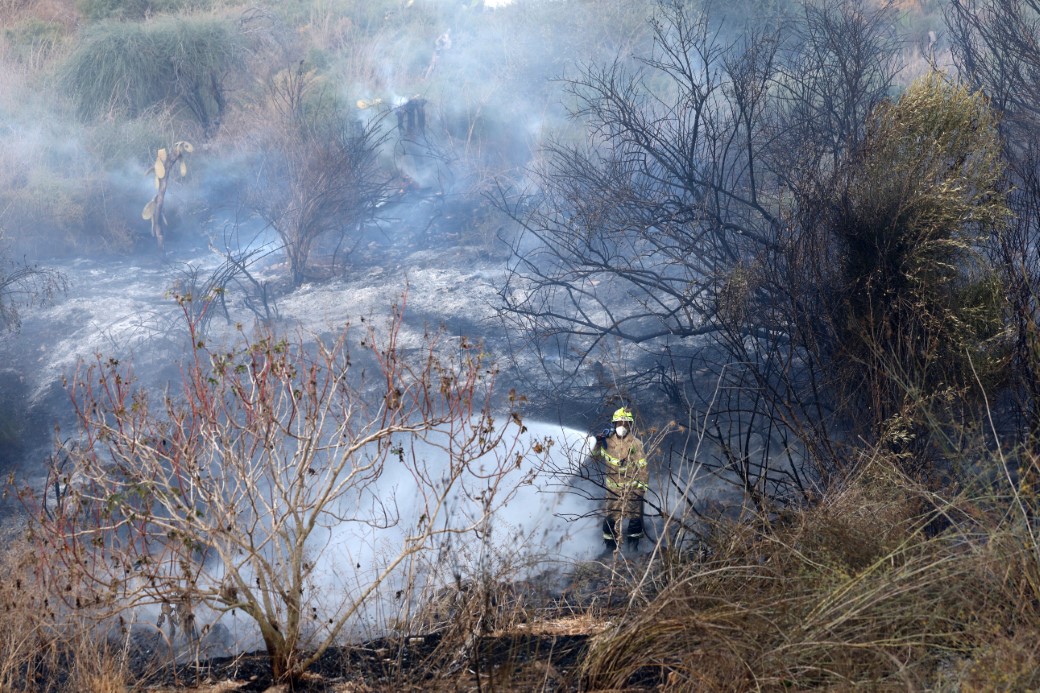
(626,480)
(411,116)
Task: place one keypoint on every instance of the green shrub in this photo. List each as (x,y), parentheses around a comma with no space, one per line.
(126,69)
(922,196)
(115,142)
(44,211)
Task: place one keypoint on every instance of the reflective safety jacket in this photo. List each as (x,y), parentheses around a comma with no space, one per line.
(626,476)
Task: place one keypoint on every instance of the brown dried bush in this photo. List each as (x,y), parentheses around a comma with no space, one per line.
(851,592)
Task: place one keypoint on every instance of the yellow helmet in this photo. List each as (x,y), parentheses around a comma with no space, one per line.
(623,414)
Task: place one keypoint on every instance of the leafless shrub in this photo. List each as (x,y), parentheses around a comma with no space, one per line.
(219,495)
(319,179)
(23,285)
(674,233)
(204,293)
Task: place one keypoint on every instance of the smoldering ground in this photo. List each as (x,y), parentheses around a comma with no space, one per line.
(533,531)
(485,81)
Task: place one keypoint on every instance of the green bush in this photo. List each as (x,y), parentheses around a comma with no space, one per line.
(923,307)
(126,69)
(114,142)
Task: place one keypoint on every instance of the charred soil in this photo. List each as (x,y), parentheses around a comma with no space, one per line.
(517,661)
(536,644)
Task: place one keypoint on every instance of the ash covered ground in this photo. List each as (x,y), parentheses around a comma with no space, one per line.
(445,274)
(448,278)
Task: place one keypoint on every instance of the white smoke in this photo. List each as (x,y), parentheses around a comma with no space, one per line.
(533,533)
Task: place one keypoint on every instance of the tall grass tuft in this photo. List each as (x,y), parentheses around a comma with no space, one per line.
(125,69)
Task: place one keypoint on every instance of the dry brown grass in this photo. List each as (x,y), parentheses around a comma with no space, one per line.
(852,592)
(579,624)
(27,628)
(45,647)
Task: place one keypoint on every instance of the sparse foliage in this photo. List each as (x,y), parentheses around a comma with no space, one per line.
(221,493)
(319,178)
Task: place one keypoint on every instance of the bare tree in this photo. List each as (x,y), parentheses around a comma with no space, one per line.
(682,204)
(839,65)
(607,246)
(995,46)
(319,178)
(221,492)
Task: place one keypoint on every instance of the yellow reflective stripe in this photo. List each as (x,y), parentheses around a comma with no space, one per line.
(615,461)
(634,483)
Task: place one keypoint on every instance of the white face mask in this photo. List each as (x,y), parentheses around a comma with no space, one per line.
(621,431)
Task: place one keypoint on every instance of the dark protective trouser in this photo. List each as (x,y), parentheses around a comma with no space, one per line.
(634,517)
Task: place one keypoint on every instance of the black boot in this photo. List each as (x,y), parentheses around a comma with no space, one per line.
(632,543)
(610,545)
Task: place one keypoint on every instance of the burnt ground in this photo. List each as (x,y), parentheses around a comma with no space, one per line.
(532,638)
(515,661)
(453,269)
